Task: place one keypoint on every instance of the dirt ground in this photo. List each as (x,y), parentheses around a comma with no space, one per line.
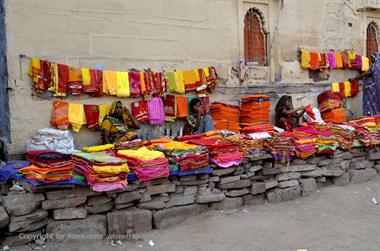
(333,219)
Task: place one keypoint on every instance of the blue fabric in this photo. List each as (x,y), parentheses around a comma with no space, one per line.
(131,177)
(207,124)
(371,89)
(205,170)
(36,183)
(11,168)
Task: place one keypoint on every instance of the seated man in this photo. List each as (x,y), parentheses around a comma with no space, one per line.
(199,122)
(118,125)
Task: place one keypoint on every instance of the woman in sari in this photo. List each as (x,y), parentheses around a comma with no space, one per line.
(119,124)
(287,117)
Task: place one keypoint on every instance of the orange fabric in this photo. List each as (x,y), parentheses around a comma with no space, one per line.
(254,110)
(182,107)
(60,115)
(75,74)
(338,59)
(225,116)
(335,116)
(142,84)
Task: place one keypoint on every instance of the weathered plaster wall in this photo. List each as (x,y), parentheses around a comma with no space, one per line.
(165,34)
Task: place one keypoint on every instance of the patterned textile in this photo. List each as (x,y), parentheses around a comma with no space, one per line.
(371,89)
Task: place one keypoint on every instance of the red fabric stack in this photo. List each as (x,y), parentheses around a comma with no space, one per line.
(330,104)
(225,116)
(254,110)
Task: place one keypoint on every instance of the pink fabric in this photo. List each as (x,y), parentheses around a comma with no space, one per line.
(105,187)
(332,61)
(311,130)
(156,111)
(227,164)
(134,84)
(145,174)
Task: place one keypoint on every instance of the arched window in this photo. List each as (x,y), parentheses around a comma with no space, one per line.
(254,38)
(372,39)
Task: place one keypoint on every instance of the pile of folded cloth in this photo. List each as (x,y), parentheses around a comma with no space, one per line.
(282,147)
(185,157)
(305,143)
(251,148)
(345,135)
(103,171)
(48,166)
(146,164)
(254,110)
(224,154)
(367,136)
(330,106)
(326,141)
(225,116)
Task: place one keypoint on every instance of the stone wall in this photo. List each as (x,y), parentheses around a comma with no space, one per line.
(124,34)
(162,203)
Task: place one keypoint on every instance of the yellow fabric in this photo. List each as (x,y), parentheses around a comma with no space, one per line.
(206,70)
(347,89)
(178,145)
(99,148)
(109,82)
(54,87)
(197,78)
(188,77)
(365,64)
(335,87)
(77,117)
(122,80)
(34,63)
(86,79)
(103,111)
(351,56)
(123,168)
(179,82)
(107,124)
(338,59)
(319,57)
(142,153)
(305,59)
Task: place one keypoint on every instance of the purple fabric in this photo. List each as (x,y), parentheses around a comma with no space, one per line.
(156,111)
(371,89)
(332,61)
(227,163)
(205,170)
(11,168)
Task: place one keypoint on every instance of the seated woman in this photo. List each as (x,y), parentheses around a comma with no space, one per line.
(199,122)
(118,125)
(287,117)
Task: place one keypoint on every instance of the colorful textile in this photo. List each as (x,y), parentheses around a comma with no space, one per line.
(109,83)
(305,59)
(182,106)
(140,110)
(76,116)
(225,116)
(179,82)
(134,84)
(122,84)
(92,116)
(170,107)
(11,168)
(371,89)
(254,110)
(60,115)
(63,79)
(103,111)
(156,111)
(99,148)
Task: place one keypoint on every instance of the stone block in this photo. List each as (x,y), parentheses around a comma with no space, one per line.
(288,183)
(239,170)
(179,189)
(223,171)
(271,184)
(362,175)
(288,176)
(314,173)
(69,193)
(255,168)
(175,215)
(301,168)
(314,160)
(377,168)
(227,203)
(249,200)
(70,213)
(100,208)
(214,179)
(180,200)
(342,180)
(359,153)
(374,156)
(190,190)
(258,187)
(298,162)
(325,162)
(135,221)
(334,172)
(194,182)
(4,218)
(345,164)
(209,197)
(30,222)
(308,186)
(158,189)
(271,171)
(229,179)
(127,197)
(188,178)
(291,193)
(274,195)
(235,185)
(360,164)
(98,200)
(267,164)
(22,204)
(152,205)
(237,193)
(342,155)
(94,225)
(145,197)
(62,203)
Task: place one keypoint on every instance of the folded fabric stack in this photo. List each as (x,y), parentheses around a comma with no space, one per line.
(48,166)
(326,141)
(259,128)
(282,148)
(254,110)
(364,121)
(305,143)
(185,156)
(344,134)
(252,149)
(225,116)
(129,145)
(8,171)
(146,164)
(224,154)
(330,106)
(102,171)
(367,136)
